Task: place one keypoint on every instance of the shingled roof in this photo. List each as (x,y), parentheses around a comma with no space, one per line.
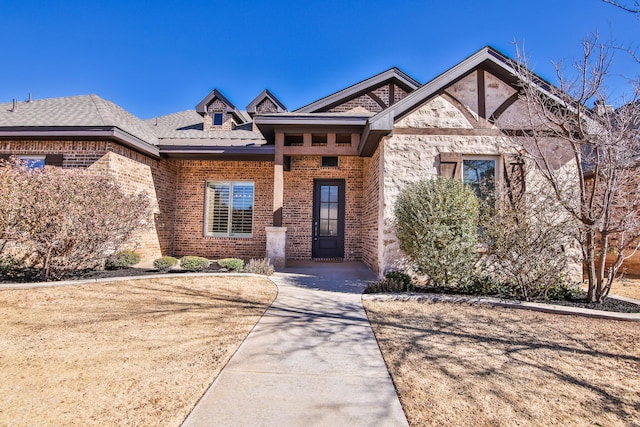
(74,111)
(188,125)
(76,116)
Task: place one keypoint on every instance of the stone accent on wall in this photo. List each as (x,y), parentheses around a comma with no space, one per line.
(496,92)
(436,113)
(266,106)
(192,176)
(217,106)
(408,158)
(466,91)
(297,213)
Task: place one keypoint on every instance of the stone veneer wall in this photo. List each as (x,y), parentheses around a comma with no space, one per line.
(192,176)
(218,106)
(134,171)
(297,212)
(409,157)
(371,213)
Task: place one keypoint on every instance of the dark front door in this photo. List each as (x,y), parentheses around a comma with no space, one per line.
(328,218)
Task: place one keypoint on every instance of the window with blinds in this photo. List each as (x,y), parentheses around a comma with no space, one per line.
(229,209)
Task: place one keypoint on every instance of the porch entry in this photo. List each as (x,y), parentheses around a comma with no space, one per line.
(328,218)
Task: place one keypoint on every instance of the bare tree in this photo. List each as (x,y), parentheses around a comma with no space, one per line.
(632,7)
(589,156)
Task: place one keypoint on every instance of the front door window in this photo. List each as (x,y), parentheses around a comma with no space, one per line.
(328,210)
(328,219)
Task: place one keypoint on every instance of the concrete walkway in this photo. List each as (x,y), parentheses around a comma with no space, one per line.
(312,360)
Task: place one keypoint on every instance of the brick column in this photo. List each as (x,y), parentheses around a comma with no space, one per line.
(277,235)
(278,180)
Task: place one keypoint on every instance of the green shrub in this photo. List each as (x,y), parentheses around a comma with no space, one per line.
(387,284)
(485,285)
(121,259)
(233,264)
(260,266)
(437,228)
(194,263)
(561,290)
(9,265)
(165,263)
(404,278)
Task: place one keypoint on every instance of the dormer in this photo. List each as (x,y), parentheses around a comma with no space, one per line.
(265,103)
(218,112)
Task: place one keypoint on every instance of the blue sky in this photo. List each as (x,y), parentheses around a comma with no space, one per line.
(158,57)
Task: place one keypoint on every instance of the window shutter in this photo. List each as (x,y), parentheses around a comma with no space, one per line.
(451,165)
(514,176)
(53,160)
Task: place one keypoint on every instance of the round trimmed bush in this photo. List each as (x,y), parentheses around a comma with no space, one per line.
(121,259)
(165,263)
(194,263)
(437,228)
(234,264)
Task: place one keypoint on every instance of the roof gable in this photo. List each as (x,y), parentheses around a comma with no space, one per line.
(260,102)
(393,75)
(214,95)
(487,59)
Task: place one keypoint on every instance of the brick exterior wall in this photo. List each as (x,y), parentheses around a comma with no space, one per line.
(134,171)
(177,189)
(371,211)
(192,177)
(297,213)
(363,101)
(366,102)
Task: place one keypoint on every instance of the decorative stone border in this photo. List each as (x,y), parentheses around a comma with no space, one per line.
(497,302)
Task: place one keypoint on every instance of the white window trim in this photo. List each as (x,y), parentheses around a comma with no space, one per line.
(206,233)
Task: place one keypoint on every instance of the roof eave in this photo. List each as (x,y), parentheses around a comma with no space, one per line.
(257,153)
(373,133)
(75,132)
(268,124)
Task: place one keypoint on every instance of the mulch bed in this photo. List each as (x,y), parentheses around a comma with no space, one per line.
(610,304)
(31,275)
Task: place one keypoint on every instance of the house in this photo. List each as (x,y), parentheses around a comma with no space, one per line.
(319,182)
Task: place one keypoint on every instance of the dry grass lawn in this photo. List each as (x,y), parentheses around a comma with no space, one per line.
(125,353)
(466,365)
(626,287)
